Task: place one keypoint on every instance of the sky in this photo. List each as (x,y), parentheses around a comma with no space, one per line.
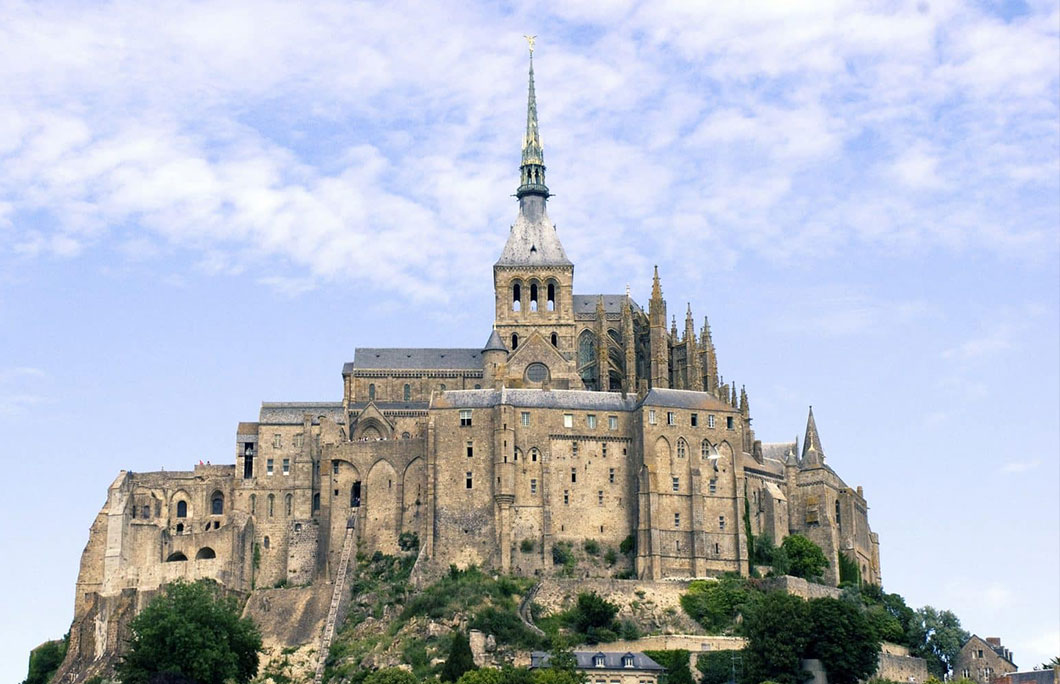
(208,205)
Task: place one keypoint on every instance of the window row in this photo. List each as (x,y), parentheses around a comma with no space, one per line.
(533,289)
(672,418)
(590,421)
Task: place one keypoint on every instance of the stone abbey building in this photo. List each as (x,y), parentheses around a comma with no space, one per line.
(582,416)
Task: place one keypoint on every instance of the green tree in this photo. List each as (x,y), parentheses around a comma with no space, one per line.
(676,663)
(191,629)
(460,659)
(777,631)
(45,660)
(551,676)
(716,667)
(937,637)
(843,640)
(390,675)
(483,675)
(715,604)
(806,558)
(848,571)
(594,616)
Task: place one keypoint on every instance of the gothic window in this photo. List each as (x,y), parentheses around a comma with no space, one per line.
(316,502)
(408,392)
(371,392)
(682,447)
(533,296)
(704,449)
(515,341)
(272,501)
(253,503)
(587,358)
(288,502)
(555,340)
(217,503)
(552,300)
(517,296)
(182,509)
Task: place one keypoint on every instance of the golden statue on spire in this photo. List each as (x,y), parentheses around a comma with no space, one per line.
(530,41)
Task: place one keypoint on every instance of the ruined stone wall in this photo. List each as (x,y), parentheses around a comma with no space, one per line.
(902,668)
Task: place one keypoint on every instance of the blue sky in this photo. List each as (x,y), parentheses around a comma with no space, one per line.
(208,205)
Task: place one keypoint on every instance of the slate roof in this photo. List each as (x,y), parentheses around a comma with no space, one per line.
(611,661)
(392,406)
(687,399)
(292,412)
(613,303)
(533,240)
(387,358)
(535,398)
(778,451)
(495,343)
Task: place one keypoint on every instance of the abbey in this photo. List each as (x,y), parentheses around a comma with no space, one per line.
(582,416)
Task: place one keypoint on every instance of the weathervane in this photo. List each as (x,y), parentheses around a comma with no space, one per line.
(530,42)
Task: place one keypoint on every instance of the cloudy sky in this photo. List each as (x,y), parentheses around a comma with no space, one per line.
(207,205)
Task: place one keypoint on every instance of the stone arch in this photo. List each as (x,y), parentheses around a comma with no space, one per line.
(517,295)
(288,504)
(380,507)
(682,448)
(176,556)
(725,450)
(181,497)
(550,294)
(217,503)
(662,450)
(371,428)
(413,490)
(535,293)
(587,358)
(205,553)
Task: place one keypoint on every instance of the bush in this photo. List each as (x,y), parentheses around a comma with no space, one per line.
(408,541)
(715,667)
(594,617)
(628,545)
(45,660)
(526,546)
(628,630)
(806,558)
(459,660)
(611,557)
(506,627)
(592,547)
(563,554)
(390,675)
(676,664)
(849,574)
(715,604)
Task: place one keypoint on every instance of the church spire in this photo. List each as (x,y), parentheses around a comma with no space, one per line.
(532,169)
(812,453)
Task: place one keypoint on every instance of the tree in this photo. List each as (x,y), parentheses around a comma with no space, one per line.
(777,631)
(594,616)
(390,675)
(45,660)
(676,663)
(714,604)
(843,640)
(191,629)
(937,637)
(460,659)
(805,558)
(716,667)
(505,675)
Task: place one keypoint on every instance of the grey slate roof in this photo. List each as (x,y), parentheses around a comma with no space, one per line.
(533,240)
(611,661)
(392,406)
(386,358)
(494,343)
(291,412)
(535,398)
(687,399)
(778,451)
(613,303)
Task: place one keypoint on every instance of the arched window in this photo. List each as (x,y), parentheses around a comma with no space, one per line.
(182,509)
(355,494)
(217,503)
(253,503)
(515,341)
(682,448)
(316,502)
(406,435)
(555,340)
(288,502)
(176,556)
(551,297)
(533,296)
(704,449)
(587,358)
(180,528)
(517,296)
(408,392)
(533,454)
(371,392)
(272,501)
(205,553)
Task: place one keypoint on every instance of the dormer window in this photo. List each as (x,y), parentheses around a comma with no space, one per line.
(599,660)
(627,660)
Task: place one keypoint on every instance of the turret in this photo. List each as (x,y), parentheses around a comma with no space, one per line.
(693,374)
(494,356)
(812,453)
(660,353)
(709,363)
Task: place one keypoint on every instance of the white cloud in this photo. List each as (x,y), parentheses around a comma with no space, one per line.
(1020,466)
(991,342)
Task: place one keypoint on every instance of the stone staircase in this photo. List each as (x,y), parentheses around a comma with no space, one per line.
(336,600)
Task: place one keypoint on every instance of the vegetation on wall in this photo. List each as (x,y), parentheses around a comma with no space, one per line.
(45,660)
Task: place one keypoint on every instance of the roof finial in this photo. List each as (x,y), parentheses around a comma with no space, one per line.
(532,169)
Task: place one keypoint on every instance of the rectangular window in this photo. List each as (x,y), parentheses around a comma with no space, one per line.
(677,519)
(566,497)
(470,449)
(573,475)
(298,440)
(729,422)
(268,466)
(651,416)
(590,420)
(467,479)
(676,481)
(710,420)
(277,441)
(611,475)
(713,486)
(568,420)
(612,422)
(465,417)
(671,418)
(721,522)
(533,486)
(286,466)
(574,450)
(334,467)
(695,419)
(600,497)
(603,449)
(525,417)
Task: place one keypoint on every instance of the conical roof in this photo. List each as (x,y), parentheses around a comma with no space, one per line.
(495,343)
(812,453)
(533,240)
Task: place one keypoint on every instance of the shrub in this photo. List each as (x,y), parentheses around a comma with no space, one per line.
(592,547)
(594,617)
(611,557)
(562,554)
(526,546)
(459,660)
(408,541)
(676,664)
(45,660)
(715,667)
(628,545)
(806,558)
(390,675)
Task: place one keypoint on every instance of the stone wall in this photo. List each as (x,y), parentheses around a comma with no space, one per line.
(901,668)
(303,537)
(796,586)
